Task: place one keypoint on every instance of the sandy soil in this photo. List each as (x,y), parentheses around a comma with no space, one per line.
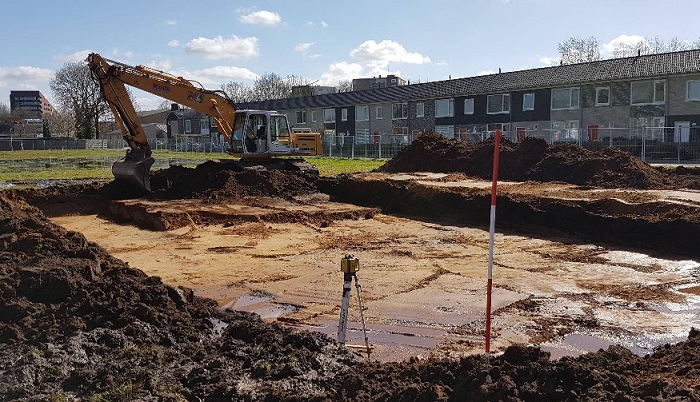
(423,281)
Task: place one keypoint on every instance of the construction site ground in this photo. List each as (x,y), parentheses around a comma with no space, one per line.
(423,281)
(224,282)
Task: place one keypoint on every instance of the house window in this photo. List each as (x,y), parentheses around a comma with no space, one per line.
(692,92)
(420,109)
(362,113)
(313,116)
(498,104)
(447,131)
(444,108)
(301,117)
(399,111)
(648,92)
(344,114)
(188,126)
(565,131)
(529,101)
(362,137)
(602,96)
(469,106)
(498,126)
(565,98)
(378,112)
(203,126)
(329,115)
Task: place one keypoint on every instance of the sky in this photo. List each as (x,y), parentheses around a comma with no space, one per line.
(218,41)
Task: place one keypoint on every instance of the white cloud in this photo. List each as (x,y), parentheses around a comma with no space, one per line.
(441,63)
(303,47)
(340,71)
(550,61)
(229,73)
(378,56)
(387,51)
(309,23)
(624,41)
(78,56)
(173,43)
(324,24)
(261,18)
(486,72)
(24,76)
(171,22)
(163,65)
(220,48)
(149,103)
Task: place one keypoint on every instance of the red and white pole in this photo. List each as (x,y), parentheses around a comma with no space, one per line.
(492,231)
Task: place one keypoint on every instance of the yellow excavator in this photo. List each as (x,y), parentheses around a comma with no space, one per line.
(252,135)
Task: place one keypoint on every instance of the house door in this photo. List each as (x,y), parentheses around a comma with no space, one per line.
(573,130)
(522,133)
(592,132)
(681,131)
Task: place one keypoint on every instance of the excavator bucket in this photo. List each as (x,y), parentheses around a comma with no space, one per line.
(135,169)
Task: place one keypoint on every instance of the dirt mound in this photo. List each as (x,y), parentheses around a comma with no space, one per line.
(534,159)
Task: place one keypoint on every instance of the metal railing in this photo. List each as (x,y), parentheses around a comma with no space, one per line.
(650,144)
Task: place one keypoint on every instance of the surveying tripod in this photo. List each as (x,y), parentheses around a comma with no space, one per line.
(349,265)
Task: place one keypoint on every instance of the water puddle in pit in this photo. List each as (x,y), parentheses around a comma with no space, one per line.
(686,315)
(262,304)
(397,342)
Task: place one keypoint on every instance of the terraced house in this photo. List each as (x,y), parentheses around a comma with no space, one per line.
(656,97)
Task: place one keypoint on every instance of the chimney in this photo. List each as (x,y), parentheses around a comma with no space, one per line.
(174,107)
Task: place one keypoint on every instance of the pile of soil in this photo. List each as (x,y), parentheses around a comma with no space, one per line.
(534,159)
(211,181)
(77,323)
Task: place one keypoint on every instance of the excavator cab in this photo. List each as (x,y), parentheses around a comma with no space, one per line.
(265,133)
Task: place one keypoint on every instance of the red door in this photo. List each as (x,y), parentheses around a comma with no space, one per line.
(592,132)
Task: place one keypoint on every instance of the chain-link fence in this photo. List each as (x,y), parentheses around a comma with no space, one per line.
(680,144)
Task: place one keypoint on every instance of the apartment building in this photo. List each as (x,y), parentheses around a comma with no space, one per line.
(585,100)
(30,104)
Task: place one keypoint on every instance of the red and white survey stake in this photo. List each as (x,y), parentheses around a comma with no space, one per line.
(492,230)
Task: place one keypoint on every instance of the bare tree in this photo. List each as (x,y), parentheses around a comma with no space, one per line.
(237,91)
(344,86)
(4,111)
(62,124)
(578,50)
(270,86)
(80,96)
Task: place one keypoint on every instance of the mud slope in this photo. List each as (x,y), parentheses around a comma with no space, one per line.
(78,323)
(653,225)
(534,159)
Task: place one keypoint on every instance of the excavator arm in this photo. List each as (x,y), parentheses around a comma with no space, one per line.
(113,77)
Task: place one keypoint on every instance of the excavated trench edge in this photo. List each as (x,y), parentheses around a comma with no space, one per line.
(583,220)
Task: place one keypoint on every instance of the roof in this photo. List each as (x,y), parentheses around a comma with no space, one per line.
(637,67)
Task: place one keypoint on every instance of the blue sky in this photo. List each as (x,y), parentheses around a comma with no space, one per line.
(218,41)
